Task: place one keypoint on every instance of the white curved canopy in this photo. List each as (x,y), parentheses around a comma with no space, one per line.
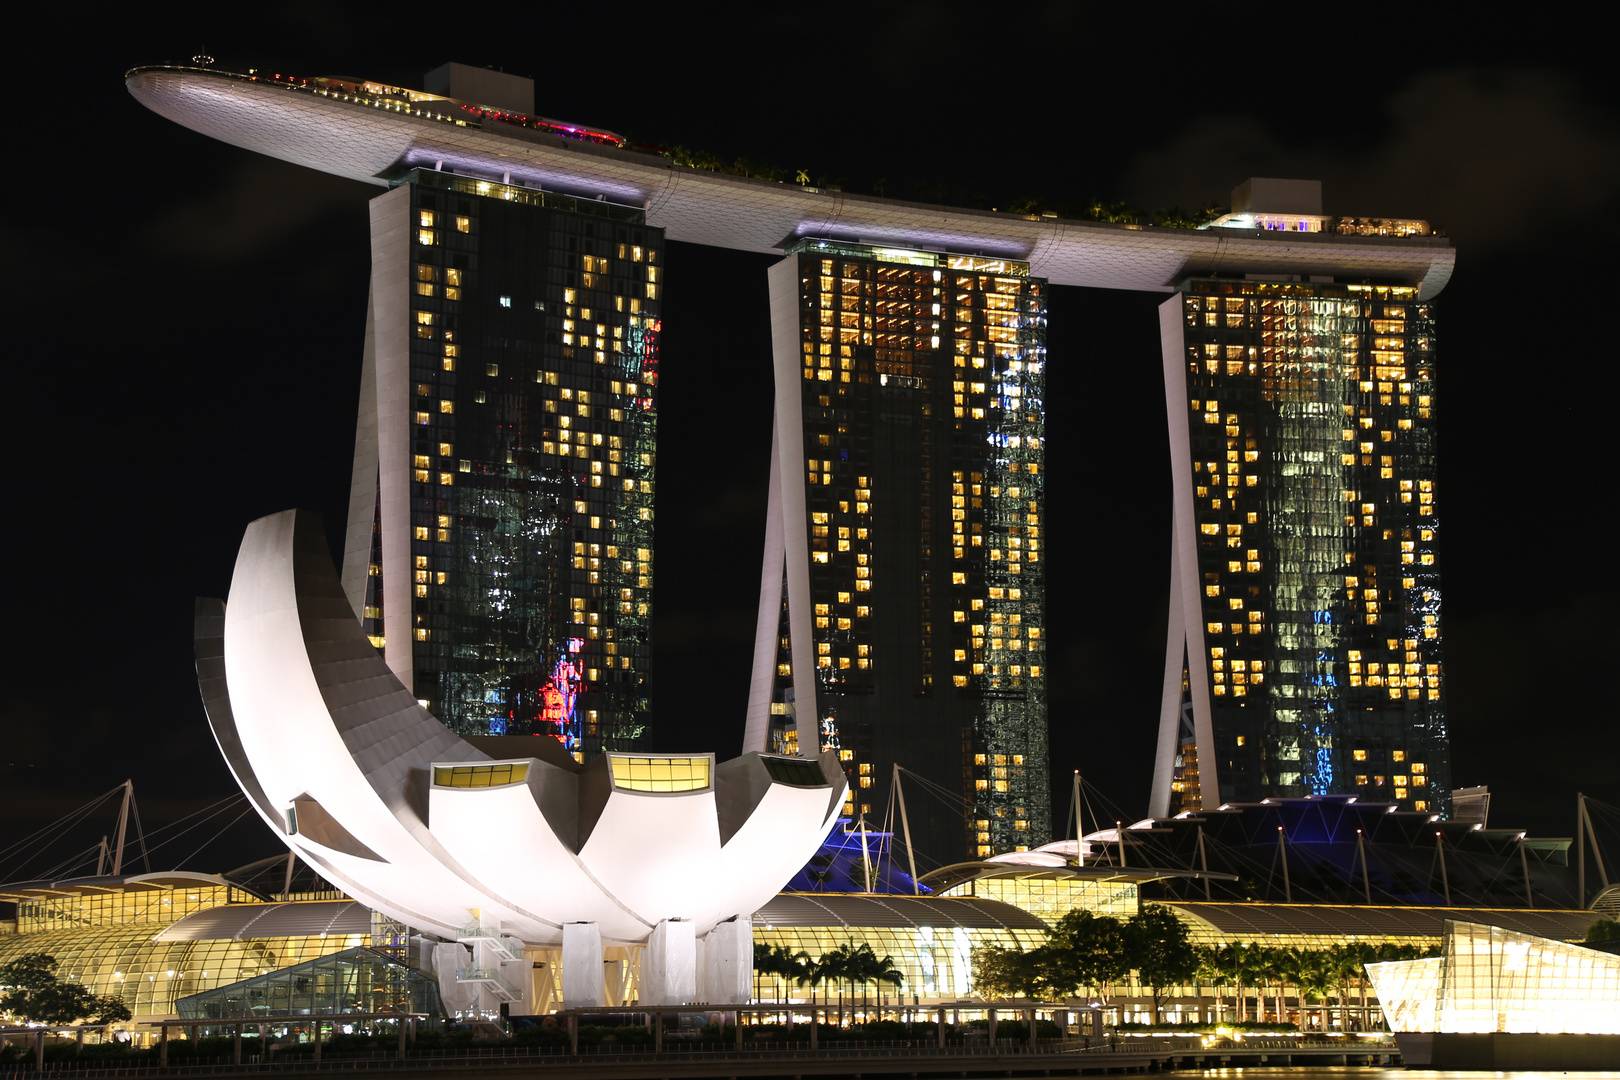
(364,784)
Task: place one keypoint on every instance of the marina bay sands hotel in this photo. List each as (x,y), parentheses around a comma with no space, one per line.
(500,539)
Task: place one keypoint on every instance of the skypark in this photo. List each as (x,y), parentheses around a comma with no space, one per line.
(375,133)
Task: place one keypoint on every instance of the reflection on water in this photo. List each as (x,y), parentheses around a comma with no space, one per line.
(1339,1072)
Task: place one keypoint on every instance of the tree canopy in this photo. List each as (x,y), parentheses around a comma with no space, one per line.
(30,990)
(1160,950)
(1086,951)
(1603,930)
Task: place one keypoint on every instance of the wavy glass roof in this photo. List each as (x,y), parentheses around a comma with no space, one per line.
(874,910)
(1246,922)
(237,922)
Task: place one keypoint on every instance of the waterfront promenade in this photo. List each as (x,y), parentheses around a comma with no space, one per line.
(901,1058)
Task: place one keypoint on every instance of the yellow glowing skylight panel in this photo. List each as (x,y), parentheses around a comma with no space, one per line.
(479,775)
(660,774)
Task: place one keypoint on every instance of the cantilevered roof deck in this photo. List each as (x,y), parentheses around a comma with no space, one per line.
(374,138)
(1253,921)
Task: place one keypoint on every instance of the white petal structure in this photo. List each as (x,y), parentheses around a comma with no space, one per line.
(497,844)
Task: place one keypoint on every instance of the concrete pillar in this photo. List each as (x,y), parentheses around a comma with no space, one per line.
(236,1046)
(573,1023)
(317,1038)
(163,1046)
(582,966)
(992,1027)
(941,1026)
(669,968)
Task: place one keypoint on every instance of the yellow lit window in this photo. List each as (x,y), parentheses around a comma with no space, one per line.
(661,773)
(479,775)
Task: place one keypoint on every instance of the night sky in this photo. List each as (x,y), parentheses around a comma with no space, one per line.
(184,330)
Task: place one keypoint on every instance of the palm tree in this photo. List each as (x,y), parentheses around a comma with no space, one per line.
(764,964)
(1247,966)
(812,974)
(887,971)
(1251,961)
(1272,976)
(1348,964)
(777,960)
(1218,969)
(863,963)
(1314,974)
(837,965)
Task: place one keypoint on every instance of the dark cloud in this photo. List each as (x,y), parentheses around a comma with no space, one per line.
(1491,156)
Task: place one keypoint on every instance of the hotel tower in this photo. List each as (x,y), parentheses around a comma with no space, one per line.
(901,616)
(1304,654)
(500,526)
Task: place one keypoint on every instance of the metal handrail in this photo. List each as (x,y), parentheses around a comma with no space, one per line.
(503,941)
(490,975)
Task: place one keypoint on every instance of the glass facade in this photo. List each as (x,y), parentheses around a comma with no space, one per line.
(922,403)
(123,907)
(358,980)
(1314,653)
(149,975)
(534,368)
(1051,896)
(1496,980)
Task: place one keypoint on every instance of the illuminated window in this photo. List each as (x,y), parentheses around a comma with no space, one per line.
(479,775)
(660,774)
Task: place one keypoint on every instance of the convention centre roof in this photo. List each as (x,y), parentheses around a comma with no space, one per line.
(887,910)
(296,919)
(1257,920)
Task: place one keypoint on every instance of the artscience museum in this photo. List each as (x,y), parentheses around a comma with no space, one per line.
(491,844)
